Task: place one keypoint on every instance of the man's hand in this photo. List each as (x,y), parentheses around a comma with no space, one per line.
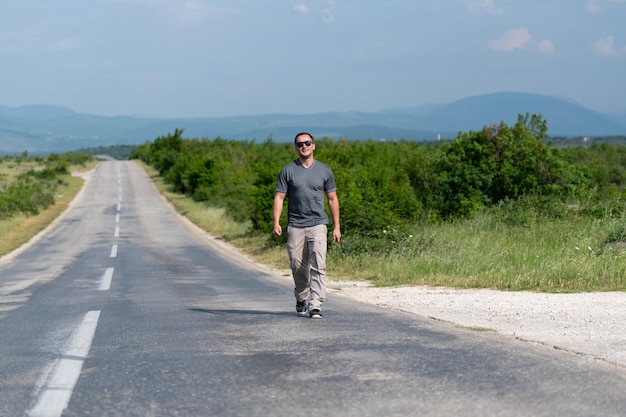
(336,235)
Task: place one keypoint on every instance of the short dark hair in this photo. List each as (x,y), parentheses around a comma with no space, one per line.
(295,139)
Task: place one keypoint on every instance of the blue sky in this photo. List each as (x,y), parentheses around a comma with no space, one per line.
(187,58)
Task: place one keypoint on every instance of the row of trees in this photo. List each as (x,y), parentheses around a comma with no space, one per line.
(390,185)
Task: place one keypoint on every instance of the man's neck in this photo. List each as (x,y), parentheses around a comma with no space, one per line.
(307,161)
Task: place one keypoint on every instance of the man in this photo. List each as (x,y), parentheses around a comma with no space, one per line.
(304,182)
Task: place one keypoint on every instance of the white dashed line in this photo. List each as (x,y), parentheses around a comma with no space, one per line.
(105,284)
(113,251)
(56,392)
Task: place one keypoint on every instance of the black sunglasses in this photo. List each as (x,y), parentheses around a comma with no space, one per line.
(305,143)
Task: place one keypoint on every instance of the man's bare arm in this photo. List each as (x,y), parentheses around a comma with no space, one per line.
(279,198)
(333,206)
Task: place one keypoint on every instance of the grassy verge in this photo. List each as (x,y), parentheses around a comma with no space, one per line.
(17,230)
(547,256)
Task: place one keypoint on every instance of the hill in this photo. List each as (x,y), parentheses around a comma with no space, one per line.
(45,129)
(565,118)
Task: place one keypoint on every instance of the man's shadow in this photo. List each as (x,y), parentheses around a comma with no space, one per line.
(244,312)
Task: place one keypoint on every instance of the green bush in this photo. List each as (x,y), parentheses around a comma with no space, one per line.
(21,197)
(32,191)
(481,169)
(384,186)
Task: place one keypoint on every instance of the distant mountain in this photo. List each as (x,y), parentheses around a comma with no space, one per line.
(45,129)
(36,111)
(565,118)
(619,117)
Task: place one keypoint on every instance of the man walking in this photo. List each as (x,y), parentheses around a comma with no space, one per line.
(304,182)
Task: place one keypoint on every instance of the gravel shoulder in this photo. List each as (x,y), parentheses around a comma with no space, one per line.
(591,324)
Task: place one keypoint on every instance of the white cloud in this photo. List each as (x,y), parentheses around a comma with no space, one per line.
(546,46)
(191,11)
(520,38)
(67,43)
(301,8)
(595,5)
(142,2)
(606,47)
(329,11)
(198,11)
(484,7)
(511,40)
(186,11)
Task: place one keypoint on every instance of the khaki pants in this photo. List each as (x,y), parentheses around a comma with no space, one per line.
(307,247)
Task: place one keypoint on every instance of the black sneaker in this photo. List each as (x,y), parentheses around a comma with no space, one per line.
(301,308)
(315,314)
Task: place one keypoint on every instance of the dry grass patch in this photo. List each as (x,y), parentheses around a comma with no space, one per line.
(11,168)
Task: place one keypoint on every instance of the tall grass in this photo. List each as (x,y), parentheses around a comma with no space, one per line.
(548,255)
(11,168)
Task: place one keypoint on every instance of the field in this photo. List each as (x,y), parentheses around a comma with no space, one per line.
(19,229)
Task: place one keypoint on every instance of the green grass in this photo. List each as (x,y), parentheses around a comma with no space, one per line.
(10,168)
(562,255)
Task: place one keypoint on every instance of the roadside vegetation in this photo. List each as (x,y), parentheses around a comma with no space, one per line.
(499,208)
(33,192)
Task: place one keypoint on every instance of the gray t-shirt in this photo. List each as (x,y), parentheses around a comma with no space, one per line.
(305,189)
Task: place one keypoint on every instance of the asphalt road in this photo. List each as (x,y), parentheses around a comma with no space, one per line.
(122,310)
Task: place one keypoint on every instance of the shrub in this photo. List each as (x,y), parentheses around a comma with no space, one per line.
(483,168)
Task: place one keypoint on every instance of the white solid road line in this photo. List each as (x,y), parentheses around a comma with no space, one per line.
(105,284)
(55,394)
